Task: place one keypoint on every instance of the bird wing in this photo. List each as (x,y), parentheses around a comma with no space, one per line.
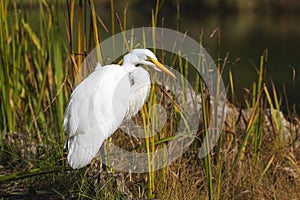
(96,109)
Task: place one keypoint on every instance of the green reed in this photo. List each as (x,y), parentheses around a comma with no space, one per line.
(38,71)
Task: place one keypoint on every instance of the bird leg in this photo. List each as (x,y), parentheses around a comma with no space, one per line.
(103,157)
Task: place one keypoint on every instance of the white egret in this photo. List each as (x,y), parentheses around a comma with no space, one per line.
(100,103)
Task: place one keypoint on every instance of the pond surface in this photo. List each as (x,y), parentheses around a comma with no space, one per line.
(244,35)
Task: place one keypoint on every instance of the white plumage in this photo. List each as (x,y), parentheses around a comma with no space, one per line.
(100,103)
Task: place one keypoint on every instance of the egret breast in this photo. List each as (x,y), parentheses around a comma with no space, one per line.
(140,87)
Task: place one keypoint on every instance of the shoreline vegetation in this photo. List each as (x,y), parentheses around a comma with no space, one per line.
(257,155)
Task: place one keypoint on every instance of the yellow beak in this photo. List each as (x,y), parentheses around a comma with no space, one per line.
(162,67)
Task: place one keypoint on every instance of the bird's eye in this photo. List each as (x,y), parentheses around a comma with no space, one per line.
(148,59)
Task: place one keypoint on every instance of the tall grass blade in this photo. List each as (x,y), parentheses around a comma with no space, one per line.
(95,31)
(250,124)
(207,159)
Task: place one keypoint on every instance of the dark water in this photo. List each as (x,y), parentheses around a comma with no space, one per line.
(244,35)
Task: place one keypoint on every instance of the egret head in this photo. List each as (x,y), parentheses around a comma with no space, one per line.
(145,57)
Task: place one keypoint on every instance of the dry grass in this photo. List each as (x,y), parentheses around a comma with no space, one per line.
(258,158)
(185,178)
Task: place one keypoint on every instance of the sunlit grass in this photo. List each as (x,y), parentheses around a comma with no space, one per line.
(38,71)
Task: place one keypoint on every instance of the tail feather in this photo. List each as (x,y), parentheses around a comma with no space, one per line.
(81,153)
